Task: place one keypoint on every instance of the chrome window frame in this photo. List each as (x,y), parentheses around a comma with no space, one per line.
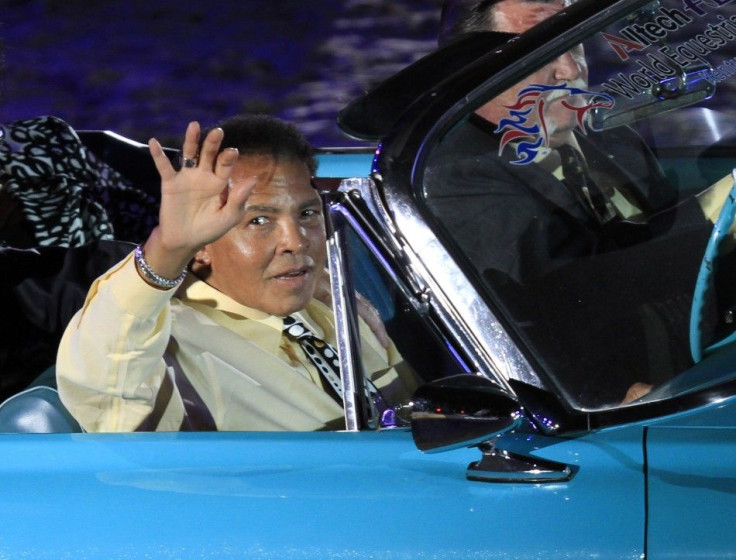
(402,157)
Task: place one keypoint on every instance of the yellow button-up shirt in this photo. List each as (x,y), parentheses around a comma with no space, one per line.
(135,357)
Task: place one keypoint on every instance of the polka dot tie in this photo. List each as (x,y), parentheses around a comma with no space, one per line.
(325,358)
(320,353)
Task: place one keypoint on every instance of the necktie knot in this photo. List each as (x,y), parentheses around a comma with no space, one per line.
(574,171)
(583,186)
(295,328)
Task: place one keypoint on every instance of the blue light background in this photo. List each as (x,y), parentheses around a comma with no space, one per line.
(146,68)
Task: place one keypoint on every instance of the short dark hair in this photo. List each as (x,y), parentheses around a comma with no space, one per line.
(460,17)
(258,134)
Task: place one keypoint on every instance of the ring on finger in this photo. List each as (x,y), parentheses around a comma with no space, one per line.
(188,162)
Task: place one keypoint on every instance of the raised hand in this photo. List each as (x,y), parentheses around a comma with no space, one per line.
(198,202)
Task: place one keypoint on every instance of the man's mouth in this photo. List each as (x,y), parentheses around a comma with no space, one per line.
(296,273)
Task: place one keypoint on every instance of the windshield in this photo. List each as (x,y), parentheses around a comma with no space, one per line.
(582,202)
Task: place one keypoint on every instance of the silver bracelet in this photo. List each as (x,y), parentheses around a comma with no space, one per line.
(151,276)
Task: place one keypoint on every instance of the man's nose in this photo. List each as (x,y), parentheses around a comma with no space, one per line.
(293,237)
(567,67)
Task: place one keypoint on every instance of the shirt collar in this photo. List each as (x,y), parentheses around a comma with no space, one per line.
(199,293)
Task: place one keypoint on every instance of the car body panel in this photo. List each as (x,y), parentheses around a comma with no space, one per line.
(356,163)
(691,480)
(691,485)
(223,495)
(332,495)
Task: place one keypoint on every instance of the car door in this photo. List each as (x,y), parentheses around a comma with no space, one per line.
(336,495)
(691,474)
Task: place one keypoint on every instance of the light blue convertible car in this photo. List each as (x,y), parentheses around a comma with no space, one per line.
(572,318)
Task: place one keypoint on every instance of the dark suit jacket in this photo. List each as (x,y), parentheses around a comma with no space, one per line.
(605,306)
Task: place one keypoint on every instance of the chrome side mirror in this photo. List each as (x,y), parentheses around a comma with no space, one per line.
(461,410)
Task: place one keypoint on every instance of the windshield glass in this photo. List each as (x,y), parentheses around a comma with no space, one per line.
(582,200)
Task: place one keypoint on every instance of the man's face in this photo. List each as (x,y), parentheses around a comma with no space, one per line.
(517,16)
(272,260)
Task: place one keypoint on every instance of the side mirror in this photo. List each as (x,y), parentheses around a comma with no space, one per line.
(461,410)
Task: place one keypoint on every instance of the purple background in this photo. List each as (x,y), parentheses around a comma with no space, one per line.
(146,68)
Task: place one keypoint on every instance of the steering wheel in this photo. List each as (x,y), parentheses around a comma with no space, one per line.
(703,284)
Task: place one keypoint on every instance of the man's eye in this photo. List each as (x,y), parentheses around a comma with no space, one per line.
(259,220)
(310,212)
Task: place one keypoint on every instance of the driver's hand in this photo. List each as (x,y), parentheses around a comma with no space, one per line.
(711,199)
(637,391)
(711,203)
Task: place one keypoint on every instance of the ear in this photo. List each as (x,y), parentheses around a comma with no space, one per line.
(201,263)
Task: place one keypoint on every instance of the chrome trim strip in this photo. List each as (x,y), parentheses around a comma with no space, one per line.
(348,347)
(446,288)
(494,349)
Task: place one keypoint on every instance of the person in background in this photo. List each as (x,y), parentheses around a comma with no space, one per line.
(582,195)
(585,206)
